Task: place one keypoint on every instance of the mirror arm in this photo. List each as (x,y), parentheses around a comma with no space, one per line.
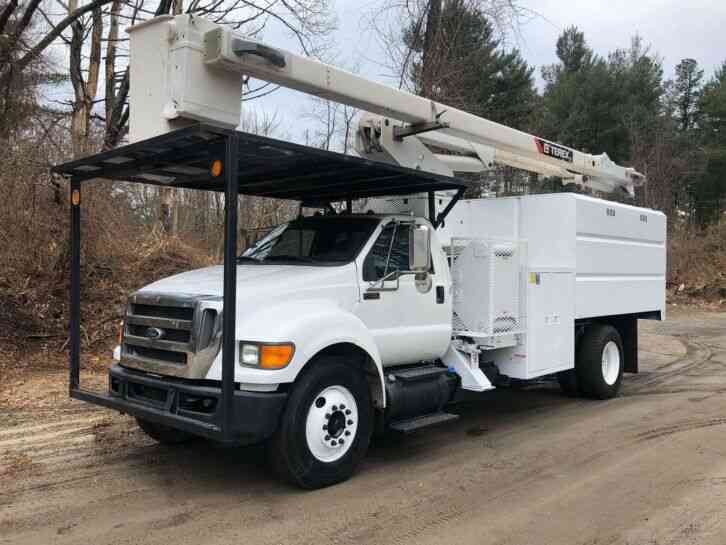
(379,285)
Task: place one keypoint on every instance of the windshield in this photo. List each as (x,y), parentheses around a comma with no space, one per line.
(313,240)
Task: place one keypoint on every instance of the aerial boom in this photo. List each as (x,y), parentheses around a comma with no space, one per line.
(206,50)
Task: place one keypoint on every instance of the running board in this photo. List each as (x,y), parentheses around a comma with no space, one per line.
(420,422)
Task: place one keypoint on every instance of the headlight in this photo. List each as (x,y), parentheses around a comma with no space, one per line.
(266,356)
(249,354)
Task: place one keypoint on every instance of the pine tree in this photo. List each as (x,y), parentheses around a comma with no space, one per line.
(572,50)
(466,67)
(712,108)
(687,91)
(709,191)
(594,104)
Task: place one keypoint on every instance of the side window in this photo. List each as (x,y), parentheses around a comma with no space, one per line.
(374,266)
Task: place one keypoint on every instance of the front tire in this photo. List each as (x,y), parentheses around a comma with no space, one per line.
(599,364)
(326,426)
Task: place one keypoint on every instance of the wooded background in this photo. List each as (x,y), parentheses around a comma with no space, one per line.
(455,51)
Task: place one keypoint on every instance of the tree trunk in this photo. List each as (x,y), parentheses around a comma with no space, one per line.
(84,91)
(110,75)
(429,48)
(167,213)
(166,216)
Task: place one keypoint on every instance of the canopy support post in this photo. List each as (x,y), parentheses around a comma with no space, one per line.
(231,194)
(75,310)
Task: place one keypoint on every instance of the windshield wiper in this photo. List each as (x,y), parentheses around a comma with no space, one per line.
(300,258)
(247,259)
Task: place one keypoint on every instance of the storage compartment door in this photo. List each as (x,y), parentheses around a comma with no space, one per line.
(550,322)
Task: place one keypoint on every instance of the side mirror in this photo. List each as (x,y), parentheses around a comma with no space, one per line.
(420,249)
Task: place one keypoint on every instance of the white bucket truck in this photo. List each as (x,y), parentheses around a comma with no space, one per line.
(345,322)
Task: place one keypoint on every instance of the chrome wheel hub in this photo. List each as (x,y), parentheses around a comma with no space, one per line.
(610,363)
(332,423)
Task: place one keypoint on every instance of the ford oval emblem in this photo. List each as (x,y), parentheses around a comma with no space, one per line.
(154,333)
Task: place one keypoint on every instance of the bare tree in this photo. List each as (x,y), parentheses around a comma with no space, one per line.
(84,86)
(27,50)
(333,124)
(333,121)
(409,33)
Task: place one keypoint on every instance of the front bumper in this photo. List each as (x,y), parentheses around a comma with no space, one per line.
(189,406)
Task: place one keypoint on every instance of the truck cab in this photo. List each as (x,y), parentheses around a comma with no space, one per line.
(348,274)
(366,291)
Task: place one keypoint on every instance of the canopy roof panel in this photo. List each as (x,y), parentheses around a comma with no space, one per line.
(267,168)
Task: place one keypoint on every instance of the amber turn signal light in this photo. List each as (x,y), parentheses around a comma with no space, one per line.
(216,168)
(275,356)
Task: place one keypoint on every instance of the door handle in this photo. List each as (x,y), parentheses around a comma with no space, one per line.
(440,295)
(367,296)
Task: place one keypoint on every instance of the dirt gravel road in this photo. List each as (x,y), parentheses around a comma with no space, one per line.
(519,467)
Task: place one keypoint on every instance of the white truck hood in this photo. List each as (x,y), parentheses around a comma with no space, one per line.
(275,303)
(254,281)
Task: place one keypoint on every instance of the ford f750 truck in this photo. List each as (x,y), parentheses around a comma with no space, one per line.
(343,323)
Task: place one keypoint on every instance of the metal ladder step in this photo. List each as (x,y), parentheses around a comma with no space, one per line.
(414,424)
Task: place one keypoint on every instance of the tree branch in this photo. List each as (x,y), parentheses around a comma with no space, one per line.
(22,63)
(7,12)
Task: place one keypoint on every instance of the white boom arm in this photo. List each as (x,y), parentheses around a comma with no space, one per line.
(203,50)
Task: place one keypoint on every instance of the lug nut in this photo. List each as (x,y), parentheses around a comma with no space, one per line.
(340,441)
(347,432)
(327,437)
(325,426)
(327,415)
(335,408)
(333,442)
(342,406)
(347,411)
(350,422)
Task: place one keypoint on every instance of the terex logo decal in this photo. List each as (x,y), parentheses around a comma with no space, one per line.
(553,150)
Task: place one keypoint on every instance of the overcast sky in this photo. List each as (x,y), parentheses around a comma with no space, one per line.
(673,29)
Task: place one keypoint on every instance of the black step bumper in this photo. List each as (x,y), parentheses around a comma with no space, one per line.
(189,406)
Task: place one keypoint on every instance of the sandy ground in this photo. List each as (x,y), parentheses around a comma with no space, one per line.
(519,467)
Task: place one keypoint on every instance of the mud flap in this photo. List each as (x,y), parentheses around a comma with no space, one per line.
(628,329)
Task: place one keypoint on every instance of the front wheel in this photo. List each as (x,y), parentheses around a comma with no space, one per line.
(326,427)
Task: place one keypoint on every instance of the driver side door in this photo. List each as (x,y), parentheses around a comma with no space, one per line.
(409,323)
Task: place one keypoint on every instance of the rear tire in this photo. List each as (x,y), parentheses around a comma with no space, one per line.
(600,361)
(326,427)
(164,434)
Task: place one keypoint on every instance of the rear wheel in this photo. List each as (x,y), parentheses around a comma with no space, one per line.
(326,427)
(164,434)
(599,364)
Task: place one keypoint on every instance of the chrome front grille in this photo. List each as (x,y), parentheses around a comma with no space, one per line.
(173,335)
